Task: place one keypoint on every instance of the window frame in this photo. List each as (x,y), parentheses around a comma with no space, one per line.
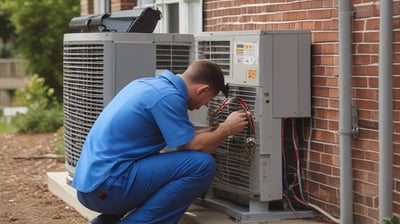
(184,6)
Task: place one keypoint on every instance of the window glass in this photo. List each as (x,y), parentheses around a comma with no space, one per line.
(195,17)
(173,18)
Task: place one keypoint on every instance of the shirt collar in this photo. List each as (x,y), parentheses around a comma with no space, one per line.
(176,80)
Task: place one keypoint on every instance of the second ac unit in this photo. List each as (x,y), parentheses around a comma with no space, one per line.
(97,65)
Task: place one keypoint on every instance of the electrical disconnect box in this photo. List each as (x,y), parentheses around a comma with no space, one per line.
(270,72)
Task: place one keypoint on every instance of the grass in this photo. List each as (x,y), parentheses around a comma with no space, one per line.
(6,127)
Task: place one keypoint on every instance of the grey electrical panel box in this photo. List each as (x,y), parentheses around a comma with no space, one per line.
(289,62)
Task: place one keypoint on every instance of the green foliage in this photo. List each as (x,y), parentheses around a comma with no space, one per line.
(7,50)
(5,126)
(6,36)
(36,95)
(39,28)
(7,29)
(45,113)
(393,220)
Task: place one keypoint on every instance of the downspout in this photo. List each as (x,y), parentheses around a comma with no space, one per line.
(345,129)
(385,112)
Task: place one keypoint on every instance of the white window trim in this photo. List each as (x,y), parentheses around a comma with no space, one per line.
(183,14)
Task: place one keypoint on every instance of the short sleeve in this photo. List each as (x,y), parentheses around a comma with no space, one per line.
(171,116)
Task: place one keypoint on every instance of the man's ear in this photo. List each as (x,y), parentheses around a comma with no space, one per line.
(201,89)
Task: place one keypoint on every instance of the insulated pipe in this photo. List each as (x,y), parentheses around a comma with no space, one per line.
(345,129)
(385,112)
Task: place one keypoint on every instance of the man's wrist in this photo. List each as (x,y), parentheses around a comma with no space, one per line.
(226,129)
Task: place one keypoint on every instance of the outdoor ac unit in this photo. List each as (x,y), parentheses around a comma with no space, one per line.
(270,71)
(97,65)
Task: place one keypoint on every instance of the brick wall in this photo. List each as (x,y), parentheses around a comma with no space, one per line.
(86,7)
(321,179)
(117,5)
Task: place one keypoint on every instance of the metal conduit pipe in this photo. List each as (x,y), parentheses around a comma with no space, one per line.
(385,112)
(345,129)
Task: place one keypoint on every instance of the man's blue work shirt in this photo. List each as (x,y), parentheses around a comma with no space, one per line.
(144,117)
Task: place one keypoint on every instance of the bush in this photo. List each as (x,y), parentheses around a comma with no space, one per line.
(45,113)
(393,220)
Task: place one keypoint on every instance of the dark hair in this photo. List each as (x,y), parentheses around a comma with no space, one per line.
(207,72)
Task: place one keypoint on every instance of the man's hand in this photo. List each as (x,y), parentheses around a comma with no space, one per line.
(208,140)
(236,122)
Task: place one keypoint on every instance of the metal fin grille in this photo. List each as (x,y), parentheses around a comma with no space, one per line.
(233,164)
(175,58)
(83,95)
(217,51)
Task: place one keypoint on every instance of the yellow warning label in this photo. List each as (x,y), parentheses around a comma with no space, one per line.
(251,74)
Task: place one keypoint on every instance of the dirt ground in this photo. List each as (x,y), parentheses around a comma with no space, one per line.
(23,182)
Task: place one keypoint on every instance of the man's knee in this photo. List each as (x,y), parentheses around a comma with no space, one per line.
(205,164)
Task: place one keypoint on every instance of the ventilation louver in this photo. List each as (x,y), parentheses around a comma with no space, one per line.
(83,94)
(233,162)
(175,58)
(217,51)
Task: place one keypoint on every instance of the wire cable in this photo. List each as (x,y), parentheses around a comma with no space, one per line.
(249,144)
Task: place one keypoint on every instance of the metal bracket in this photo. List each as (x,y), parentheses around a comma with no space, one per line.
(354,122)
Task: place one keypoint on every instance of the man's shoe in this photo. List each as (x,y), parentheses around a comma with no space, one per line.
(106,219)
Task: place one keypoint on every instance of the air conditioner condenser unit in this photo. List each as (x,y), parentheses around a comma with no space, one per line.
(270,72)
(97,65)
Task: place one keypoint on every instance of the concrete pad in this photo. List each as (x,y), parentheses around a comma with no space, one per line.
(57,184)
(200,215)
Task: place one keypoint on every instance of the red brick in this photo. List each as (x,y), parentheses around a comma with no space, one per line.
(320,14)
(330,48)
(365,70)
(326,136)
(371,48)
(359,82)
(311,25)
(366,11)
(367,104)
(365,165)
(358,25)
(318,37)
(371,37)
(364,200)
(372,24)
(371,94)
(362,59)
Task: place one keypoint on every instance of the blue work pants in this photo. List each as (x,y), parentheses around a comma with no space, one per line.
(156,189)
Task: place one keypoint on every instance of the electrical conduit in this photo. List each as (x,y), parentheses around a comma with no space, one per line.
(385,112)
(345,129)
